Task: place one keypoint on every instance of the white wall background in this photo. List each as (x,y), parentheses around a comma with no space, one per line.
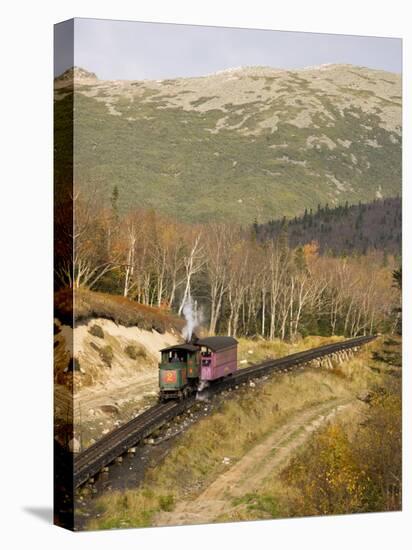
(26,271)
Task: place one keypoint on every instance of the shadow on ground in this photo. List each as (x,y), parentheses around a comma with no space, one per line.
(43,513)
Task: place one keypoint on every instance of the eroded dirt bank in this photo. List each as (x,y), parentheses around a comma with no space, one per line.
(108,372)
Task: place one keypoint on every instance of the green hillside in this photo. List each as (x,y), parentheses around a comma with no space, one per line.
(249,144)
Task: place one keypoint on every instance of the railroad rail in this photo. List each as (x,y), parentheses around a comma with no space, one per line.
(89,462)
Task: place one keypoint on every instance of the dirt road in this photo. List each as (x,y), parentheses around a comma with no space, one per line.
(265,459)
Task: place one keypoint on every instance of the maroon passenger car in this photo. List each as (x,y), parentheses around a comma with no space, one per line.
(218,357)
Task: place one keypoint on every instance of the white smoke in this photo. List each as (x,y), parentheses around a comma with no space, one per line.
(193,318)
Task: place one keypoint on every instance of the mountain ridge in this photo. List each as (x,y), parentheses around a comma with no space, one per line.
(240,144)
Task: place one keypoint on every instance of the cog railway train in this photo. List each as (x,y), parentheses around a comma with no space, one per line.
(186,368)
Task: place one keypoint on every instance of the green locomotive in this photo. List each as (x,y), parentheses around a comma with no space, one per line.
(178,371)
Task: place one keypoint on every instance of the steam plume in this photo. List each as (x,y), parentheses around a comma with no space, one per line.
(192,316)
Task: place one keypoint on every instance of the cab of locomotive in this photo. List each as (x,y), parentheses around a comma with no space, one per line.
(178,369)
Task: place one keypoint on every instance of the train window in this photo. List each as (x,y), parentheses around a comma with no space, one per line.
(175,357)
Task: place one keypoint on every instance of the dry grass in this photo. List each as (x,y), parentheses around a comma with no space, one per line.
(236,425)
(351,465)
(255,351)
(90,305)
(135,352)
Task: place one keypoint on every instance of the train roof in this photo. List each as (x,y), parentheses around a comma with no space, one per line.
(185,347)
(216,343)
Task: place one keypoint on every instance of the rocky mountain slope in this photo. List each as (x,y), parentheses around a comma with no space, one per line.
(246,143)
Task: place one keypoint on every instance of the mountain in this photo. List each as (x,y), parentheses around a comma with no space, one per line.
(344,229)
(242,144)
(74,74)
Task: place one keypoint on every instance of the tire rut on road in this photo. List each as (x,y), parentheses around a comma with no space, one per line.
(267,458)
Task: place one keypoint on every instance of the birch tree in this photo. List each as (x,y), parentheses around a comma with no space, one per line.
(193,262)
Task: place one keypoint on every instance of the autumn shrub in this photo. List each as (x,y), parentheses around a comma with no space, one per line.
(134,352)
(378,446)
(258,505)
(106,353)
(327,476)
(339,473)
(97,331)
(166,502)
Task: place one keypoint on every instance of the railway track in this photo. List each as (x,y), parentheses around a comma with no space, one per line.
(89,462)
